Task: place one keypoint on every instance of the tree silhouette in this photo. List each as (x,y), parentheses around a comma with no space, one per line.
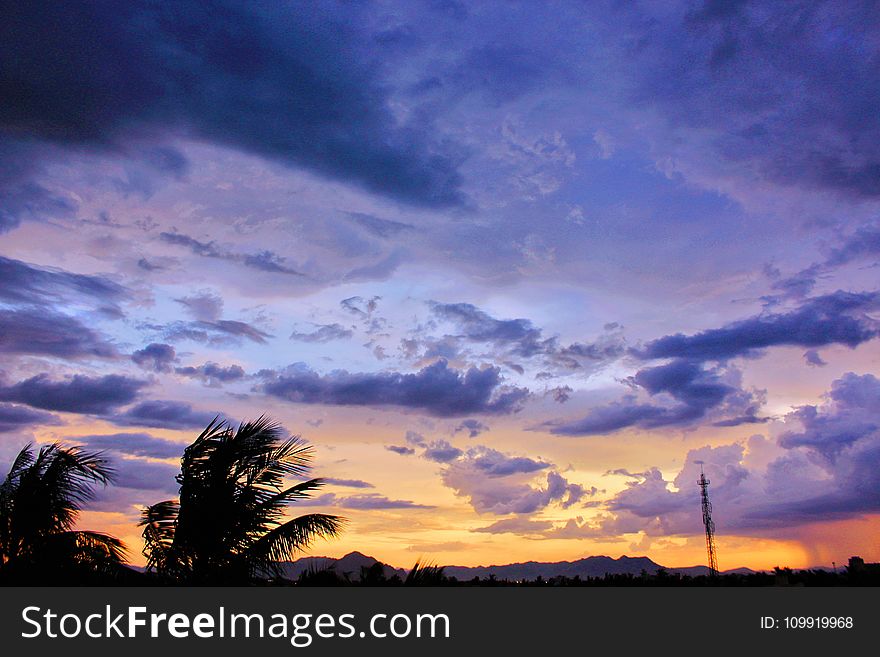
(40,500)
(228,525)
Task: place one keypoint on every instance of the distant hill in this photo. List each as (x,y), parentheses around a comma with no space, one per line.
(350,565)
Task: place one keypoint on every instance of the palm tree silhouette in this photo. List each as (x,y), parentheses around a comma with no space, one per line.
(40,500)
(228,525)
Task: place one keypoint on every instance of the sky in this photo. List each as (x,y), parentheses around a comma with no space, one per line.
(516,270)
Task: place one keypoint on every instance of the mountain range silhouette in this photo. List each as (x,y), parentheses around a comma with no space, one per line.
(597,566)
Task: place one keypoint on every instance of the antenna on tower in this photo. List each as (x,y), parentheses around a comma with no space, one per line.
(708,523)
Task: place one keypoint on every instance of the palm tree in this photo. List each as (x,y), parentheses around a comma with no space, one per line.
(229,523)
(40,500)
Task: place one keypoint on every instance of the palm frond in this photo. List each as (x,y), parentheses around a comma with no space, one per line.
(159,522)
(282,542)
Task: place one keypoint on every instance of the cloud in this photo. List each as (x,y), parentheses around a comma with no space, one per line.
(155,356)
(162,414)
(205,306)
(76,394)
(375,501)
(476,325)
(133,444)
(796,286)
(132,473)
(813,358)
(222,332)
(15,418)
(498,483)
(415,438)
(44,332)
(435,390)
(383,228)
(520,338)
(350,483)
(863,243)
(851,413)
(323,333)
(265,260)
(446,546)
(473,427)
(400,449)
(28,284)
(828,469)
(522,526)
(493,463)
(836,318)
(440,451)
(23,198)
(697,390)
(754,81)
(329,112)
(360,307)
(212,373)
(370,501)
(503,495)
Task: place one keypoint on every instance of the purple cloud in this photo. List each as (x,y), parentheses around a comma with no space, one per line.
(155,356)
(46,333)
(162,414)
(436,390)
(77,394)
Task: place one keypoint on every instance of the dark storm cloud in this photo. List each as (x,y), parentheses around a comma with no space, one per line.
(46,333)
(133,444)
(77,394)
(323,333)
(836,318)
(29,200)
(155,356)
(780,94)
(213,373)
(16,418)
(24,283)
(268,261)
(436,390)
(101,74)
(162,414)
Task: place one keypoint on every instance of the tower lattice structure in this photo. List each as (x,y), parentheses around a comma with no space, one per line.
(708,523)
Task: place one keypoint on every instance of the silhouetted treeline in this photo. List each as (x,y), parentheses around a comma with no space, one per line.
(779,577)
